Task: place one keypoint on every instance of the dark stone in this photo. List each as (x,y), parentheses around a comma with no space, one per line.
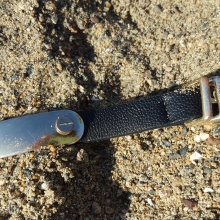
(216,131)
(184,131)
(188,167)
(191,166)
(183,151)
(27,173)
(174,156)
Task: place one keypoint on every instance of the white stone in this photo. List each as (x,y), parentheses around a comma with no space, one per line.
(54,19)
(81,89)
(45,186)
(197,138)
(206,190)
(2,182)
(196,156)
(204,136)
(150,202)
(182,43)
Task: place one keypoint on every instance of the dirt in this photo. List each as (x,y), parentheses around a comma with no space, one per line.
(81,55)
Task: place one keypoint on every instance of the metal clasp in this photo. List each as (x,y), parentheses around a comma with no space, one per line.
(210,92)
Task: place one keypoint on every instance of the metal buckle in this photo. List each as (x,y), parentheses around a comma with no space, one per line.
(208,99)
(210,95)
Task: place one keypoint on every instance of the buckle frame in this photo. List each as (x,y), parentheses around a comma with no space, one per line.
(208,100)
(208,118)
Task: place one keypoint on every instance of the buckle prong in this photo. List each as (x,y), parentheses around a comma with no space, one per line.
(214,101)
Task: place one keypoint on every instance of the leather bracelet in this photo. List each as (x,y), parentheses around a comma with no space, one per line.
(62,127)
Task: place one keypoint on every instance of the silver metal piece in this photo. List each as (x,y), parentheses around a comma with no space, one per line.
(207,100)
(19,135)
(216,82)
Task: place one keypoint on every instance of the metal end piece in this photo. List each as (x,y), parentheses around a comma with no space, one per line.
(30,132)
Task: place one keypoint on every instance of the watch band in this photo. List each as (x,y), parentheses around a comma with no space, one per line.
(30,132)
(163,110)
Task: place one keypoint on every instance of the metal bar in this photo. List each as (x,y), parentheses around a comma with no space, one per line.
(206,98)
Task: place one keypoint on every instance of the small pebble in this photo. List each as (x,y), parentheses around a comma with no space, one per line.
(168,68)
(158,9)
(150,202)
(184,131)
(174,156)
(59,66)
(27,173)
(189,203)
(182,43)
(109,210)
(216,131)
(165,33)
(167,143)
(94,20)
(54,19)
(207,170)
(183,151)
(82,156)
(196,156)
(213,141)
(197,138)
(11,208)
(94,98)
(10,168)
(204,136)
(143,178)
(151,192)
(206,190)
(171,84)
(45,186)
(188,167)
(96,208)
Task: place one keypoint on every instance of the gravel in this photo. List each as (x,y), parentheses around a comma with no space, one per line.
(85,55)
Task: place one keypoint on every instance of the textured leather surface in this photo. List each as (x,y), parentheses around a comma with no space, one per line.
(157,111)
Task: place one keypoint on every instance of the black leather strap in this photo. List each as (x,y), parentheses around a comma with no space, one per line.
(171,108)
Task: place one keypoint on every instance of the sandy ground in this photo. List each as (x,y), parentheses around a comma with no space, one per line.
(89,54)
